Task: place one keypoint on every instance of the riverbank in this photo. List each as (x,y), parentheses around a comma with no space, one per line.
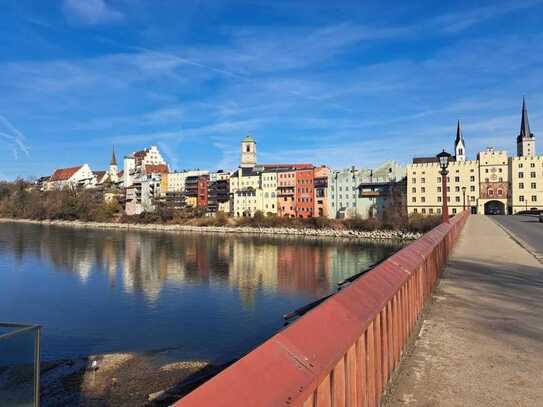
(119,379)
(247,230)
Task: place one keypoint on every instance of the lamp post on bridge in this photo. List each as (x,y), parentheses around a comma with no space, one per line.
(444,158)
(464,192)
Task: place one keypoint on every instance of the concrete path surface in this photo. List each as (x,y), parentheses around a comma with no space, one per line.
(481,342)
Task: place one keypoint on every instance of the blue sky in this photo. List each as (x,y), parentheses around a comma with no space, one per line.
(336,83)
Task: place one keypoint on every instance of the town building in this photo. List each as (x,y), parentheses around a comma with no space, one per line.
(218,196)
(493,183)
(175,181)
(136,163)
(344,189)
(321,199)
(72,177)
(141,196)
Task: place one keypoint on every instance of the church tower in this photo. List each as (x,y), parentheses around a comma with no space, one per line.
(459,144)
(526,139)
(113,171)
(248,152)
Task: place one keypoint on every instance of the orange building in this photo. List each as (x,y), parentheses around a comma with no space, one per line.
(304,192)
(321,175)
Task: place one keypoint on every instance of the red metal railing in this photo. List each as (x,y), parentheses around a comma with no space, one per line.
(343,352)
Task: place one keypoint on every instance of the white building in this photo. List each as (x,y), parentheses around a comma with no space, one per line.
(72,177)
(135,163)
(141,195)
(176,180)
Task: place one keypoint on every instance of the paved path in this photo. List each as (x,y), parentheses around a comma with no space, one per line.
(481,342)
(527,230)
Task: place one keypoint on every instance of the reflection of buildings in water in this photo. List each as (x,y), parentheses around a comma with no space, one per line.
(252,267)
(141,268)
(110,260)
(144,262)
(304,268)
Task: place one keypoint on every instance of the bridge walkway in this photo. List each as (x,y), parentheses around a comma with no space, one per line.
(481,341)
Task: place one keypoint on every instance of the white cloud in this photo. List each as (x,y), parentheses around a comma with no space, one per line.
(91,11)
(13,138)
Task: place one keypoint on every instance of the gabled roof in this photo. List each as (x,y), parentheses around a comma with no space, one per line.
(63,174)
(156,169)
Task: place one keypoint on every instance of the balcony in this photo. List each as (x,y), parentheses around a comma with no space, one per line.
(19,364)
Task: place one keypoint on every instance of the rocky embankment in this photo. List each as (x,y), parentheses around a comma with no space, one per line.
(277,231)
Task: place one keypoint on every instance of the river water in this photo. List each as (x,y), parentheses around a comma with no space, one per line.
(205,296)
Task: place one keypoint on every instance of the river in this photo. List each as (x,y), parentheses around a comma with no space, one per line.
(205,296)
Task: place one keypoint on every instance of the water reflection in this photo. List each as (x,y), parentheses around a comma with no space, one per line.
(167,270)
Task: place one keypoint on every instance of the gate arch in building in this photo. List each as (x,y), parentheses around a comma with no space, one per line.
(494,208)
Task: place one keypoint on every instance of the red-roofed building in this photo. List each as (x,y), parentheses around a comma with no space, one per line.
(156,169)
(80,176)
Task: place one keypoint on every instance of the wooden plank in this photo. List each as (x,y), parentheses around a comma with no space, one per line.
(350,373)
(384,345)
(310,402)
(362,375)
(378,366)
(324,394)
(338,384)
(370,366)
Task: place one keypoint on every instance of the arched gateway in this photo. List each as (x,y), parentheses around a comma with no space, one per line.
(494,208)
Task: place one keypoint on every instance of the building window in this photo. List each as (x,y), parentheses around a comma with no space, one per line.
(438,179)
(423,190)
(438,210)
(534,198)
(438,189)
(423,180)
(457,199)
(414,199)
(414,180)
(415,210)
(423,210)
(472,188)
(520,165)
(533,185)
(499,192)
(532,174)
(521,185)
(532,165)
(457,189)
(454,211)
(521,198)
(472,178)
(521,174)
(439,199)
(490,192)
(456,179)
(423,199)
(431,211)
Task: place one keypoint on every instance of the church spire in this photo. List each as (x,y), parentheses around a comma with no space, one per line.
(459,144)
(459,135)
(113,159)
(524,123)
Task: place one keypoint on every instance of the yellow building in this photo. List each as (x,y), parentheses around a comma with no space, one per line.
(492,184)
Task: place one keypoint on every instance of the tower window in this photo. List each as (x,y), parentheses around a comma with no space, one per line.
(248,149)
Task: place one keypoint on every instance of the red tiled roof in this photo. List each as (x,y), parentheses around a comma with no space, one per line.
(288,166)
(99,174)
(64,174)
(156,169)
(120,173)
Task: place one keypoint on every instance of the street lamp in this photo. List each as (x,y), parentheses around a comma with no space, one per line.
(444,158)
(464,192)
